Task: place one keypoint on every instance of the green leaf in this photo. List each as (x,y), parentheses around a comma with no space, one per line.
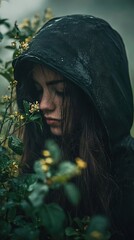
(28,179)
(5,229)
(26,233)
(11,214)
(68,168)
(78,222)
(3,150)
(53,218)
(37,195)
(19,221)
(26,106)
(1,36)
(54,150)
(10,47)
(2,192)
(8,64)
(15,144)
(4,159)
(98,228)
(38,170)
(70,232)
(26,206)
(72,193)
(35,117)
(6,75)
(4,22)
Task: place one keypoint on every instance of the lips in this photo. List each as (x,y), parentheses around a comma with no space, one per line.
(52,121)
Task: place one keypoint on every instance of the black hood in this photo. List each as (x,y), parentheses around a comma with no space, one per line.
(89,52)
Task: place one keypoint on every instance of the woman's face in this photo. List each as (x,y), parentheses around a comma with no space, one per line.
(50,89)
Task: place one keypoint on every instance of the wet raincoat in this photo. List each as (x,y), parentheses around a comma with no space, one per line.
(89,52)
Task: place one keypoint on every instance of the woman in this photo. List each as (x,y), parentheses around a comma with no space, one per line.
(76,67)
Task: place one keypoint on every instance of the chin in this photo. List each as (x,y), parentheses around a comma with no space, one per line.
(56,131)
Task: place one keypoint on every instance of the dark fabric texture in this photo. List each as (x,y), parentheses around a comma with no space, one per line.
(89,52)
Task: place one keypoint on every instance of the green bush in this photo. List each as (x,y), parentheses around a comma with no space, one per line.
(24,214)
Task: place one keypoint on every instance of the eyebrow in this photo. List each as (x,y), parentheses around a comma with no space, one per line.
(52,82)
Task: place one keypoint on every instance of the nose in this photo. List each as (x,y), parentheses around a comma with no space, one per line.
(47,102)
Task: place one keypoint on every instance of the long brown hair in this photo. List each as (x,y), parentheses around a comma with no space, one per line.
(86,138)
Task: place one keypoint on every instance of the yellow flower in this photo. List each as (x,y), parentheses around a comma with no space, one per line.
(12,116)
(96,235)
(28,39)
(14,169)
(49,161)
(24,45)
(46,153)
(5,98)
(44,165)
(80,163)
(16,113)
(13,44)
(34,107)
(25,23)
(14,83)
(48,13)
(45,168)
(42,161)
(20,117)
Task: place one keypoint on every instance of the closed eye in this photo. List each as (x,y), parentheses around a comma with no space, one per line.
(59,93)
(57,87)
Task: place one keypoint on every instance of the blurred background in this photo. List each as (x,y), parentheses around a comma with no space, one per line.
(119,13)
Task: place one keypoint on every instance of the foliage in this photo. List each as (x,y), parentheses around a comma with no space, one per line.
(24,212)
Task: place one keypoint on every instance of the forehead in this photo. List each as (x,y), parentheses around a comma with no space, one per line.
(43,72)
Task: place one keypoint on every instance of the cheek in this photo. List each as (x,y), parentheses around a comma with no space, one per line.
(58,102)
(59,106)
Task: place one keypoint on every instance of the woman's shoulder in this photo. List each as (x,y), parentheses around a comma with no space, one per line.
(123,174)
